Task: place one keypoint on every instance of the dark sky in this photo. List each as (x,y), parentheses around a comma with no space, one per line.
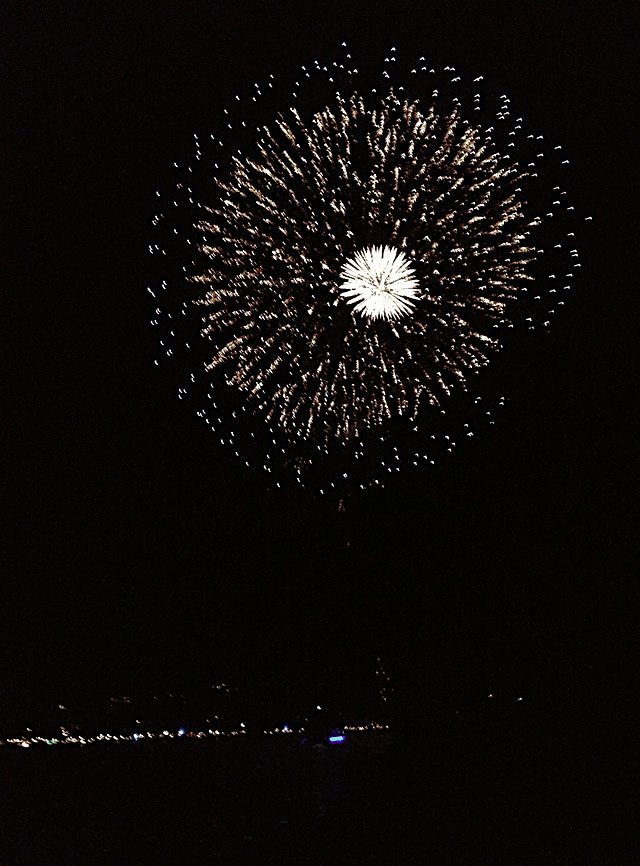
(136,553)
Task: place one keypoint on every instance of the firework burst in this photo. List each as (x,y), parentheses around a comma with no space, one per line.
(380,282)
(354,264)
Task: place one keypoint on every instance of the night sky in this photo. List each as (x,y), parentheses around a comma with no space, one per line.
(136,552)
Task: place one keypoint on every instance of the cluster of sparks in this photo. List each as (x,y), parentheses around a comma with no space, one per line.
(282,233)
(358,263)
(380,282)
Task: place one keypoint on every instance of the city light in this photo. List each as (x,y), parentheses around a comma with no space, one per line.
(68,738)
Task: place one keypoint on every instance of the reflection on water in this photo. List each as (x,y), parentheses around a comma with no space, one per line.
(440,799)
(209,802)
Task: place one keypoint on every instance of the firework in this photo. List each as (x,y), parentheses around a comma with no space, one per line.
(355,264)
(380,282)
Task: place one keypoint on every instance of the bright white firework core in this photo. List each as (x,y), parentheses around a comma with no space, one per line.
(380,282)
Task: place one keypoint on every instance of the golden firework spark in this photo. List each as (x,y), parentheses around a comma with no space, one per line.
(358,262)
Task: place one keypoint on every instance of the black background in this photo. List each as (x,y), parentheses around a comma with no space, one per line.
(135,553)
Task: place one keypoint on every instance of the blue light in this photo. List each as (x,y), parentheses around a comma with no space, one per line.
(181,732)
(136,736)
(338,739)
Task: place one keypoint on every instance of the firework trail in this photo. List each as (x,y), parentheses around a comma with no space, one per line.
(350,266)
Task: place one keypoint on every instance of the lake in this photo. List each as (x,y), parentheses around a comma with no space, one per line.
(477,796)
